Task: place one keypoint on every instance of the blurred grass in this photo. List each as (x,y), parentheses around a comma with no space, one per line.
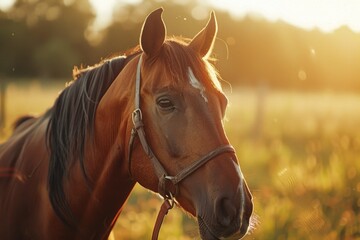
(300,154)
(301,160)
(28,97)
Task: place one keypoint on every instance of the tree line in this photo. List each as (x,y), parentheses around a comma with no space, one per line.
(46,39)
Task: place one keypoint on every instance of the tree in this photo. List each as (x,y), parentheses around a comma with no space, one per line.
(45,38)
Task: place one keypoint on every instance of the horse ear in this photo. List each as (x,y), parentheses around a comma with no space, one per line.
(153,33)
(203,42)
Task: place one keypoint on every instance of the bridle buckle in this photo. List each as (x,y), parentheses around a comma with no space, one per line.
(136,116)
(170,199)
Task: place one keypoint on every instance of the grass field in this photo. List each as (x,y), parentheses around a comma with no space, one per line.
(300,153)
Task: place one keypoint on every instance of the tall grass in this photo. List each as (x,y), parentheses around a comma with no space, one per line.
(300,154)
(301,160)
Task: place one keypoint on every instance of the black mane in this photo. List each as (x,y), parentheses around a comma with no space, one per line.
(71,123)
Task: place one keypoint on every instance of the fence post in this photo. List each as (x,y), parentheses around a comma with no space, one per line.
(2,106)
(261,95)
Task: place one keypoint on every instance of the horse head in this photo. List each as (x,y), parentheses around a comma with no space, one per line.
(182,113)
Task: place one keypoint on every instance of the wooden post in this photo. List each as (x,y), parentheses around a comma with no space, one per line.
(261,94)
(2,106)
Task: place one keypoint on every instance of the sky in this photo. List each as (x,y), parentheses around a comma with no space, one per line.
(326,15)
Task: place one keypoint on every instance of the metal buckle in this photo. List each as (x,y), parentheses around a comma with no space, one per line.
(170,199)
(136,115)
(170,178)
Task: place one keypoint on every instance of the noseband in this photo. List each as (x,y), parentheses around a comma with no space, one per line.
(138,130)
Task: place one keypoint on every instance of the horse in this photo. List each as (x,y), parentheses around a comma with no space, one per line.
(153,116)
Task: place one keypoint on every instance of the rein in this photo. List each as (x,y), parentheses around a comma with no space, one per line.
(138,130)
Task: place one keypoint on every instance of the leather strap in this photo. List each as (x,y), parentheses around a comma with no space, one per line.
(199,163)
(165,208)
(138,83)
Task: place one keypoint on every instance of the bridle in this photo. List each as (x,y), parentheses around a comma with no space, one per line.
(164,178)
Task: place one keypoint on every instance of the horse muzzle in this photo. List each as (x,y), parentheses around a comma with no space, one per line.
(230,218)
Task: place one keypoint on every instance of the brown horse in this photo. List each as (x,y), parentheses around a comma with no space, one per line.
(67,174)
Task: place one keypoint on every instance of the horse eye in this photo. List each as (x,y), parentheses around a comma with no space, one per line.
(165,104)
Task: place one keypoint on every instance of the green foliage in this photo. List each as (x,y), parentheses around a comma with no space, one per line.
(55,56)
(14,55)
(44,38)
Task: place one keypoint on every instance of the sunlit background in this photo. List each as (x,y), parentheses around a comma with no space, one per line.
(294,114)
(326,15)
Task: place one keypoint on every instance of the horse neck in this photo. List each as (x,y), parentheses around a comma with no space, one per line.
(108,149)
(105,156)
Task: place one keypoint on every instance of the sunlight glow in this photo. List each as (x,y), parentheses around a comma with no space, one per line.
(326,15)
(103,10)
(6,4)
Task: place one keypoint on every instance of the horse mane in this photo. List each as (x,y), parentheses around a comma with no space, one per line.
(71,124)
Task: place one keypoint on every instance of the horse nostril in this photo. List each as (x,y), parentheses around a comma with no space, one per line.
(225,212)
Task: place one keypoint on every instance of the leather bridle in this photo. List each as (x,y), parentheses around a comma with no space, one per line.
(138,130)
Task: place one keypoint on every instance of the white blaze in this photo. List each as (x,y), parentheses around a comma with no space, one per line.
(197,84)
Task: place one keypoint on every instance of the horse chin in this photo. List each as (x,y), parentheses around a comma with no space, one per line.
(207,233)
(204,230)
